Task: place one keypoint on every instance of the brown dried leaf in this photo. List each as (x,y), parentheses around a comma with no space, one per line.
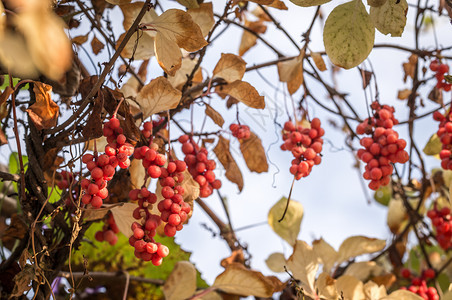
(3,139)
(247,42)
(364,269)
(180,78)
(5,95)
(409,67)
(358,245)
(203,16)
(175,29)
(304,265)
(254,154)
(402,294)
(86,85)
(96,45)
(233,173)
(123,216)
(278,4)
(350,287)
(236,257)
(318,60)
(276,262)
(138,174)
(367,77)
(50,163)
(80,40)
(47,43)
(23,279)
(17,229)
(238,280)
(230,67)
(118,2)
(436,95)
(214,115)
(93,127)
(291,72)
(245,93)
(44,112)
(189,3)
(374,291)
(131,11)
(181,283)
(403,94)
(157,96)
(326,287)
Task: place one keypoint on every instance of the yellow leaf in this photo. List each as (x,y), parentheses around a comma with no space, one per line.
(397,216)
(326,287)
(254,153)
(123,216)
(291,71)
(350,287)
(304,265)
(327,255)
(44,112)
(357,245)
(141,47)
(307,3)
(181,75)
(203,16)
(214,115)
(318,60)
(245,93)
(364,269)
(238,280)
(47,43)
(402,295)
(233,173)
(230,67)
(433,146)
(157,96)
(348,34)
(390,18)
(168,54)
(376,3)
(276,262)
(289,227)
(181,283)
(373,291)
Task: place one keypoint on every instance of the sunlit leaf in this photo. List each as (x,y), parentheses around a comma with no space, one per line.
(350,287)
(276,262)
(358,245)
(44,112)
(433,146)
(224,155)
(203,16)
(214,115)
(230,67)
(348,34)
(289,227)
(245,93)
(326,286)
(326,253)
(304,265)
(181,283)
(390,18)
(254,153)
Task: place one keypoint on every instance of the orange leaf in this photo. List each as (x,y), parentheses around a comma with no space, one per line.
(44,112)
(233,173)
(254,154)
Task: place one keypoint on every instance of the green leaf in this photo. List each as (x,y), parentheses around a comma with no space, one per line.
(14,165)
(383,195)
(433,146)
(348,34)
(390,18)
(15,81)
(307,3)
(289,227)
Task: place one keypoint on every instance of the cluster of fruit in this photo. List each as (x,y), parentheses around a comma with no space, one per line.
(440,69)
(200,167)
(240,131)
(305,145)
(445,135)
(382,148)
(108,232)
(442,221)
(419,284)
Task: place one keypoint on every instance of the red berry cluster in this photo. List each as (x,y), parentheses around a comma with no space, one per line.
(109,232)
(199,166)
(440,70)
(102,167)
(144,231)
(147,129)
(173,209)
(419,284)
(305,145)
(442,221)
(66,180)
(117,145)
(445,135)
(382,148)
(152,160)
(240,131)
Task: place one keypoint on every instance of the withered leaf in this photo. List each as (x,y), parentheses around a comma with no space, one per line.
(158,95)
(181,283)
(168,54)
(239,280)
(23,279)
(3,139)
(214,115)
(436,95)
(318,60)
(366,76)
(86,85)
(179,79)
(203,16)
(358,245)
(249,39)
(17,229)
(44,112)
(403,94)
(93,127)
(254,153)
(304,264)
(230,67)
(291,72)
(350,287)
(409,67)
(80,39)
(50,163)
(278,4)
(233,173)
(123,216)
(245,93)
(96,45)
(5,95)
